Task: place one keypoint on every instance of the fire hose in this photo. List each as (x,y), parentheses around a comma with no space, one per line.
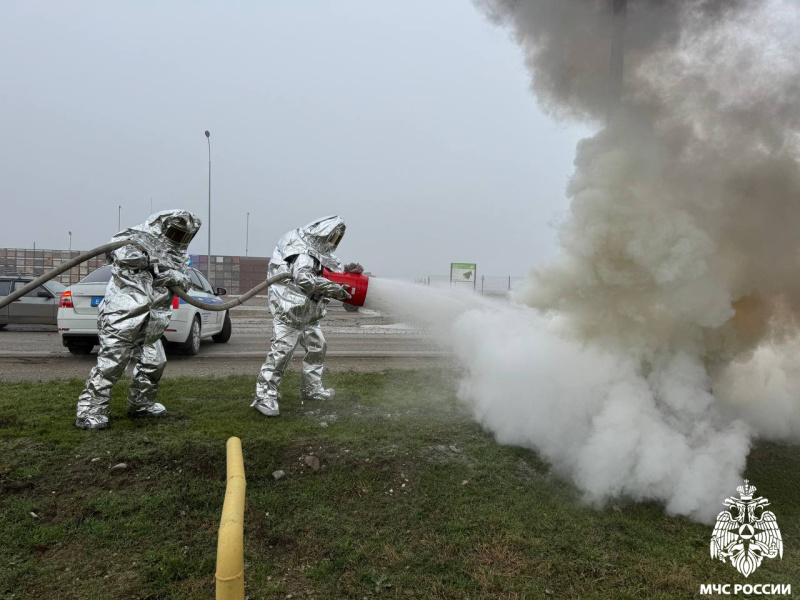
(81,258)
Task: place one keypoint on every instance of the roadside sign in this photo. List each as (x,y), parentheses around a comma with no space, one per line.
(464,273)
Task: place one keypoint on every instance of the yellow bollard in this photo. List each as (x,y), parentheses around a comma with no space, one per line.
(230,545)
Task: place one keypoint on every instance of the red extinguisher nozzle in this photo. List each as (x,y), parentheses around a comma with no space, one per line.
(356,284)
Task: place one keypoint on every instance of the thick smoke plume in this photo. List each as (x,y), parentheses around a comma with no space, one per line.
(642,363)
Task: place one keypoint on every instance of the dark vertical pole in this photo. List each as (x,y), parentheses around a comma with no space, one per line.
(509,283)
(208,265)
(617,71)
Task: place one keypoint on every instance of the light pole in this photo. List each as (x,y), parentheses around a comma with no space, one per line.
(208,266)
(70,240)
(119,218)
(247,236)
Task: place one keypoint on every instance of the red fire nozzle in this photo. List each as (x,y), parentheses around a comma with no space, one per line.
(356,284)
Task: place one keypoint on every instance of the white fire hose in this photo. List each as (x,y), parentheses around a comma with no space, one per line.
(175,290)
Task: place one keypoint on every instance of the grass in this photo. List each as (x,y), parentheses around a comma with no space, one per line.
(412,500)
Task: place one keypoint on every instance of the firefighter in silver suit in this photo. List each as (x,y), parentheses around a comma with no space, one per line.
(298,305)
(134,314)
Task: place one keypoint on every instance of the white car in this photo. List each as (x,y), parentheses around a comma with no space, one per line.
(78,308)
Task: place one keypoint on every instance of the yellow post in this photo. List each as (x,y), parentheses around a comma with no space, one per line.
(230,545)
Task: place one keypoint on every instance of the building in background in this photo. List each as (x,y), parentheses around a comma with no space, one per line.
(37,262)
(236,274)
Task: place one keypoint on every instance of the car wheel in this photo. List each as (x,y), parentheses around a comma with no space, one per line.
(192,344)
(81,349)
(350,307)
(225,333)
(3,326)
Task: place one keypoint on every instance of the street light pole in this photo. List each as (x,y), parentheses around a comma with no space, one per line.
(247,236)
(208,265)
(70,240)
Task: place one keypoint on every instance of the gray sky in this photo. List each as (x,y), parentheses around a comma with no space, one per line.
(411,119)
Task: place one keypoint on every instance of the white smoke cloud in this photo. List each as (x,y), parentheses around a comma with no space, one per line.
(642,362)
(590,410)
(764,390)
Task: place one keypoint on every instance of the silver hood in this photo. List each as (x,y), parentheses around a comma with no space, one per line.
(152,236)
(313,239)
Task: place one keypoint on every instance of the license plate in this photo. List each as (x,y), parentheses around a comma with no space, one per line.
(96,300)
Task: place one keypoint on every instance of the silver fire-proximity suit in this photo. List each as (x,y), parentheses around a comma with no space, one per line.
(297,305)
(134,314)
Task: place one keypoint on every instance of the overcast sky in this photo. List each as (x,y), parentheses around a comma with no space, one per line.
(411,119)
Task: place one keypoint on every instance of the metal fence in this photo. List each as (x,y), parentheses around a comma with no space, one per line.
(489,285)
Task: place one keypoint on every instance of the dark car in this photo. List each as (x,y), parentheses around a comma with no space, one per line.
(37,307)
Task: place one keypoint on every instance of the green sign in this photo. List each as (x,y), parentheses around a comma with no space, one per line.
(463,272)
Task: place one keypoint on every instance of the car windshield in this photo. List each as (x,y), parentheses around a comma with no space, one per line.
(102,275)
(195,279)
(206,286)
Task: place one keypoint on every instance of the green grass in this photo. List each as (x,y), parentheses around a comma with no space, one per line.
(349,530)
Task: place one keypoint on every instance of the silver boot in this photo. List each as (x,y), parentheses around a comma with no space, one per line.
(92,422)
(154,410)
(268,408)
(321,394)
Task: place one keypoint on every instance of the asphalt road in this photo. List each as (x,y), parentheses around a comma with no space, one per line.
(363,341)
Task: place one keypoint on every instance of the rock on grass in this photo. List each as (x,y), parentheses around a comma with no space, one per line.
(312,461)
